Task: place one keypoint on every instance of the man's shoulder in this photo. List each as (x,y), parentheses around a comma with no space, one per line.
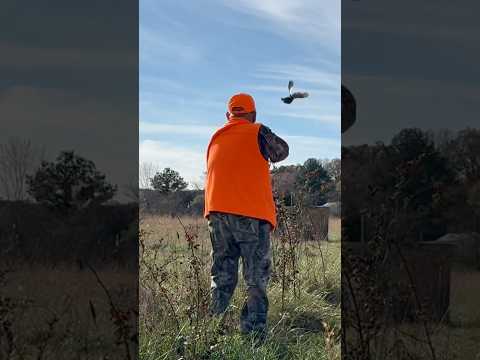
(244,127)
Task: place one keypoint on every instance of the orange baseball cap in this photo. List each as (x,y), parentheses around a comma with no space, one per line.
(241,103)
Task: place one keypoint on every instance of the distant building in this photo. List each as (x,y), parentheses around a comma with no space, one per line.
(334,207)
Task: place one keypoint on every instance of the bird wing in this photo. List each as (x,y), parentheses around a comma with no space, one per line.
(297,95)
(290,86)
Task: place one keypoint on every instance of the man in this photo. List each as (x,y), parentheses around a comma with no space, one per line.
(240,209)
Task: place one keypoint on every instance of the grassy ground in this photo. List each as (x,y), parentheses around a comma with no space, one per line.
(465,299)
(456,337)
(64,313)
(304,294)
(304,317)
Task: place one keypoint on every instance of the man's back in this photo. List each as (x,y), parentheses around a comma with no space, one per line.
(238,176)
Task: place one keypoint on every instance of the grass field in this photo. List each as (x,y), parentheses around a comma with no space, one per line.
(64,313)
(304,317)
(304,295)
(457,336)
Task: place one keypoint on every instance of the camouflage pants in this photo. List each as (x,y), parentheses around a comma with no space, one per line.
(235,237)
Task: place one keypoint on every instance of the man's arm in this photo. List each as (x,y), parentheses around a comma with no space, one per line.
(272,147)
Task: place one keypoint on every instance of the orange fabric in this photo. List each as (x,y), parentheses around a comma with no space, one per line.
(238,177)
(241,103)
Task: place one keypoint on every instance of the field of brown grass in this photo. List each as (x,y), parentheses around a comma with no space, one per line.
(457,336)
(465,299)
(304,316)
(63,313)
(334,228)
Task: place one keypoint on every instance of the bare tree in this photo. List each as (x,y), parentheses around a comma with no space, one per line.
(334,169)
(18,158)
(147,171)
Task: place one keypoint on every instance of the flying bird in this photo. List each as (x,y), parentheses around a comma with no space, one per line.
(293,95)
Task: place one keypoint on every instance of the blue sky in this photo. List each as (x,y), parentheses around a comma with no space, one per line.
(195,55)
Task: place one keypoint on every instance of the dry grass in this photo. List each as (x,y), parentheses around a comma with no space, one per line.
(308,327)
(334,228)
(52,317)
(457,337)
(465,299)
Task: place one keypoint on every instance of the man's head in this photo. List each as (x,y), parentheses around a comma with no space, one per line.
(242,106)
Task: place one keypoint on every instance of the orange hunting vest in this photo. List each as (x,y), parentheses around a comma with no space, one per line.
(238,176)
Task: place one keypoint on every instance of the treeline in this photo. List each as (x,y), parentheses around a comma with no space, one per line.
(62,211)
(96,236)
(182,202)
(419,187)
(314,182)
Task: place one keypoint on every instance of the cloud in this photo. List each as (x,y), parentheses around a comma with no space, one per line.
(190,163)
(309,20)
(303,74)
(283,91)
(304,147)
(323,104)
(21,57)
(446,21)
(58,120)
(150,128)
(432,104)
(155,109)
(190,106)
(270,88)
(156,47)
(321,119)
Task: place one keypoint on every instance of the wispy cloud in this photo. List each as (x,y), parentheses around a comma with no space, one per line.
(304,147)
(21,56)
(312,140)
(308,115)
(188,162)
(270,88)
(57,118)
(444,22)
(323,104)
(317,19)
(180,109)
(321,78)
(151,128)
(156,47)
(186,85)
(283,91)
